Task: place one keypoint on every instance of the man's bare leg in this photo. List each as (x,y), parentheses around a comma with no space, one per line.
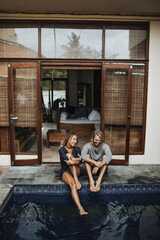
(95,170)
(91,180)
(99,180)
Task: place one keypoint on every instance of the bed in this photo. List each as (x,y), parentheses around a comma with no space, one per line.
(83,127)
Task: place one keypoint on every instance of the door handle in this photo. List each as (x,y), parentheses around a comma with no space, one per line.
(12,118)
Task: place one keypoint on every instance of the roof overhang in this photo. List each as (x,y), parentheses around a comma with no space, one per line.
(101,9)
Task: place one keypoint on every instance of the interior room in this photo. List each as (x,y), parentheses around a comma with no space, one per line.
(71,101)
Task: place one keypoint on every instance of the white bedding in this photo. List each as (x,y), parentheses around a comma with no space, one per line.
(80,121)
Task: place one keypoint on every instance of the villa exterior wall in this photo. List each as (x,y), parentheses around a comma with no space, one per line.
(152,138)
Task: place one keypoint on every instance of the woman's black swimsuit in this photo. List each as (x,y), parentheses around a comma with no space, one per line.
(62,152)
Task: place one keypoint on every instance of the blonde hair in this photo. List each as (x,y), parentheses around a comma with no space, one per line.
(66,138)
(96,133)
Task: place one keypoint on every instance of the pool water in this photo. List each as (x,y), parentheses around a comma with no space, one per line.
(110,216)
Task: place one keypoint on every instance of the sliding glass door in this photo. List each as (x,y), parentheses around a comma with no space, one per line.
(117,109)
(24,114)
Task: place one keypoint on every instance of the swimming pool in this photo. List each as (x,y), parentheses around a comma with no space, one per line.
(48,212)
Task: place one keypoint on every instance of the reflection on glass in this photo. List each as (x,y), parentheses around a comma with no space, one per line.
(115,109)
(53,87)
(116,96)
(25,109)
(19,42)
(125,44)
(4,119)
(26,140)
(71,43)
(137,108)
(137,95)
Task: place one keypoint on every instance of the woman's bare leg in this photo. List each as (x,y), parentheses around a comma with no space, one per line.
(91,180)
(75,170)
(68,179)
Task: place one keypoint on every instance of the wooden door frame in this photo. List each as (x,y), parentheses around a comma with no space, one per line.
(11,111)
(129,68)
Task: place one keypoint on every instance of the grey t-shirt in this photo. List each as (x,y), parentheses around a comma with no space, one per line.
(96,155)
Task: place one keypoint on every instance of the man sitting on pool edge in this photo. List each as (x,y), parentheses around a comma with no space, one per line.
(96,156)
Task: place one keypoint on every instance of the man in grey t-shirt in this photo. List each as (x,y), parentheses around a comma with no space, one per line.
(96,156)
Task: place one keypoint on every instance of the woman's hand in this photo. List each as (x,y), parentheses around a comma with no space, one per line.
(80,158)
(69,162)
(72,160)
(69,155)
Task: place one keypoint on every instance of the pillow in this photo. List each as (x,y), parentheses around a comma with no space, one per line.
(63,116)
(94,115)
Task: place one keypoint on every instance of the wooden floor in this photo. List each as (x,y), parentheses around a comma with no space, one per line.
(51,155)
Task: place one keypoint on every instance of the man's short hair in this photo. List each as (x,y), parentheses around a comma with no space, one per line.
(97,133)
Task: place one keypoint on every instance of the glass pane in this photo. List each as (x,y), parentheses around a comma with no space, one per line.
(25,109)
(53,87)
(4,119)
(125,44)
(25,140)
(19,42)
(137,108)
(115,109)
(71,43)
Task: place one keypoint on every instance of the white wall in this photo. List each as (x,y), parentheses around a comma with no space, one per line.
(152,143)
(5,160)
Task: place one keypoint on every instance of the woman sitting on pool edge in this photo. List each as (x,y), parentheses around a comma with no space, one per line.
(70,158)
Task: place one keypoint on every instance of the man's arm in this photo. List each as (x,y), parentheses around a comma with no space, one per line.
(91,161)
(108,154)
(86,157)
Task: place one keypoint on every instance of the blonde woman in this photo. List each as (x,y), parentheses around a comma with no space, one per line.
(70,158)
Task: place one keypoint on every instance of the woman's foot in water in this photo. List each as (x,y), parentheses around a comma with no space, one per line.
(82,211)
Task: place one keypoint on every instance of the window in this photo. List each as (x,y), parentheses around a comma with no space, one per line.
(18,42)
(125,42)
(53,87)
(71,42)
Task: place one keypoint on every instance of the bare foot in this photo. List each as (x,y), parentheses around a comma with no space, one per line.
(82,211)
(98,186)
(92,187)
(78,184)
(95,170)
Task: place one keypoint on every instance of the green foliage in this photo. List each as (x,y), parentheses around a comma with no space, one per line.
(57,85)
(54,73)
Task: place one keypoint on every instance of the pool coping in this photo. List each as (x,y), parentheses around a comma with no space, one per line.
(61,189)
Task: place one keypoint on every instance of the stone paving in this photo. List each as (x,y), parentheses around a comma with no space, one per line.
(49,174)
